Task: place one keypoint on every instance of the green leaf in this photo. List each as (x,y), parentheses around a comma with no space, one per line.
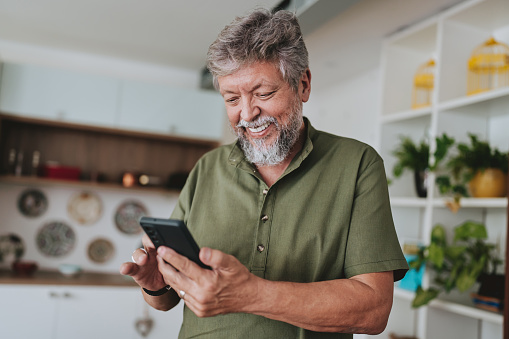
(469,230)
(465,280)
(436,255)
(438,235)
(454,252)
(423,297)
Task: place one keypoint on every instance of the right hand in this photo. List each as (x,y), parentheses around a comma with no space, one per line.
(144,270)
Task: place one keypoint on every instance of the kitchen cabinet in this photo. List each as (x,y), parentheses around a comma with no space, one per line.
(449,38)
(73,97)
(62,312)
(166,110)
(50,93)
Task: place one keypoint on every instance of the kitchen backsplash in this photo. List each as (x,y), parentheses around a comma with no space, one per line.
(86,227)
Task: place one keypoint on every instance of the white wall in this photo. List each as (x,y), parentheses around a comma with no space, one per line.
(349,108)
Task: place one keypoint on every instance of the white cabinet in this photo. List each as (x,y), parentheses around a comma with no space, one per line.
(168,110)
(62,312)
(51,93)
(449,38)
(63,95)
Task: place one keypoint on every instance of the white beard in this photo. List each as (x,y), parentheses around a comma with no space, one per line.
(258,152)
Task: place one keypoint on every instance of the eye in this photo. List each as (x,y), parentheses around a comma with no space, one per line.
(266,94)
(231,100)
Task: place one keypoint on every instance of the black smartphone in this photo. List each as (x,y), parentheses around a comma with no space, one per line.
(174,234)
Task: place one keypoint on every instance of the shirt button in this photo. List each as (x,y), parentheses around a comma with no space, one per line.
(265,218)
(265,191)
(260,248)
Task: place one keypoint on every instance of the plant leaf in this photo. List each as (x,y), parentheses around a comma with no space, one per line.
(422,297)
(470,229)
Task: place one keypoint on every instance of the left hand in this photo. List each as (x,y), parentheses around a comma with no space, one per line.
(228,287)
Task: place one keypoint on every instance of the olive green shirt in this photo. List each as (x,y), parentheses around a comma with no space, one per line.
(327,217)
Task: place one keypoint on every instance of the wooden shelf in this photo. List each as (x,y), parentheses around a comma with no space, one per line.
(408,202)
(474,202)
(86,185)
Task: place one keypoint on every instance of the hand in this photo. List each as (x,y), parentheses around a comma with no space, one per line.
(228,287)
(144,270)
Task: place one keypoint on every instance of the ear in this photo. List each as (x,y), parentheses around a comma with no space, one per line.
(305,85)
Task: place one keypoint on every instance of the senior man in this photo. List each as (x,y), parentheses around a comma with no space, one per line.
(294,222)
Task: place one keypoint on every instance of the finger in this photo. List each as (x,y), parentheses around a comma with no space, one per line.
(180,262)
(147,243)
(129,268)
(172,277)
(215,258)
(140,256)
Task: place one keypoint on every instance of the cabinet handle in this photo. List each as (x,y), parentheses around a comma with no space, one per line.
(53,295)
(67,295)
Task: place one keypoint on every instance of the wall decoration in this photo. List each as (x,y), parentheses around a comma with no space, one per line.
(85,207)
(127,216)
(55,239)
(32,203)
(100,250)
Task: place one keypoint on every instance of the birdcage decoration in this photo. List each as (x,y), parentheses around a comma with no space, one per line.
(424,80)
(488,67)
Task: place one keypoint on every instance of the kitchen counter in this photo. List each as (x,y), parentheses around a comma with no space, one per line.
(57,278)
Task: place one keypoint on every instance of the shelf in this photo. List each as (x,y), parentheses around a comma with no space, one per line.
(85,185)
(468,310)
(408,202)
(406,115)
(474,99)
(474,202)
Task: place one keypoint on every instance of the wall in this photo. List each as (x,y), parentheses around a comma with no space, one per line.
(58,197)
(348,108)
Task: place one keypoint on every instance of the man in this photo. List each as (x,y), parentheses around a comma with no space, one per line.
(295,223)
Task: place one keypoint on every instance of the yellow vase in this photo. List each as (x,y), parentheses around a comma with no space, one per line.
(490,183)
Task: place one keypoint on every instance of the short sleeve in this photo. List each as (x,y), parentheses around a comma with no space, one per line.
(373,245)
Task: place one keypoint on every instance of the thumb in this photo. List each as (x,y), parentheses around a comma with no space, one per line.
(214,258)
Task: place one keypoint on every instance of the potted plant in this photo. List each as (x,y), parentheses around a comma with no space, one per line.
(456,265)
(415,157)
(480,167)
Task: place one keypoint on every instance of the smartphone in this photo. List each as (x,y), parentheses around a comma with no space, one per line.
(174,234)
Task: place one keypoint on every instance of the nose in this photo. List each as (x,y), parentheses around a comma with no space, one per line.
(249,111)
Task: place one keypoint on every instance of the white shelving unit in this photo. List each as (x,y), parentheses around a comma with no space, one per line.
(449,38)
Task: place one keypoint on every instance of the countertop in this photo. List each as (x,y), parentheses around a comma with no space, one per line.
(57,278)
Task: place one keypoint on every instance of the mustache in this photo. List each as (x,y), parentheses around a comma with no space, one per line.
(257,123)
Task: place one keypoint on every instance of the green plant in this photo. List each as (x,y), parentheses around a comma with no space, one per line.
(416,156)
(456,265)
(470,158)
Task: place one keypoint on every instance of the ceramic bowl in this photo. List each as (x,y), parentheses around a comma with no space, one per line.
(69,270)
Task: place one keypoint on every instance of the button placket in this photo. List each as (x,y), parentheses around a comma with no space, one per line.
(263,234)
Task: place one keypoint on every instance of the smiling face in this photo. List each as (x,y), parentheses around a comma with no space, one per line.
(264,111)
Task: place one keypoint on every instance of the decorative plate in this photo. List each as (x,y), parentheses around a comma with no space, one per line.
(11,247)
(127,216)
(85,207)
(100,250)
(55,239)
(32,203)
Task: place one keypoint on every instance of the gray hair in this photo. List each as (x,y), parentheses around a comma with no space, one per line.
(260,36)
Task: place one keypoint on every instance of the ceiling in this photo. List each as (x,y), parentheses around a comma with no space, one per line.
(177,34)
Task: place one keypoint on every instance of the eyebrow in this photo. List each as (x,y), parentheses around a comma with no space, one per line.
(254,88)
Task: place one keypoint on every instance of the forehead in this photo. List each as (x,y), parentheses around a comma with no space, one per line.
(251,76)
